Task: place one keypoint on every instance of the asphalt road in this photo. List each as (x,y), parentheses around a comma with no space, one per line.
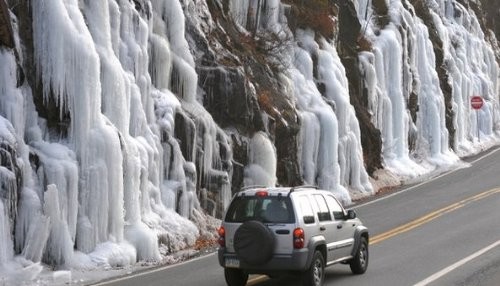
(445,231)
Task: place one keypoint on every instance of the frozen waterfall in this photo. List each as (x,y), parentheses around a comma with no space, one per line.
(403,64)
(331,153)
(112,181)
(109,155)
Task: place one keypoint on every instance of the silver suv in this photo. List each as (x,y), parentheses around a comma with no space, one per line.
(275,231)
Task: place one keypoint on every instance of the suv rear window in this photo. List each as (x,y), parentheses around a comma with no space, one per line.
(270,209)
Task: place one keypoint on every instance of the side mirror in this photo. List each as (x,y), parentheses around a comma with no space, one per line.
(351,214)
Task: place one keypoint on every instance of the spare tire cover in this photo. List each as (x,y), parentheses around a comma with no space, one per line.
(254,242)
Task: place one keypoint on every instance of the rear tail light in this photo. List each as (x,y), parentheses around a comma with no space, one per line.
(222,236)
(298,238)
(262,194)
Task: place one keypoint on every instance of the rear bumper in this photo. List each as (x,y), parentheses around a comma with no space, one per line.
(297,261)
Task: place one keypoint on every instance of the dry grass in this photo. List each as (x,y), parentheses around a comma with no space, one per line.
(318,15)
(266,102)
(364,44)
(204,243)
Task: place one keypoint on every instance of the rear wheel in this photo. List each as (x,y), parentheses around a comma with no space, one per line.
(235,277)
(359,263)
(315,275)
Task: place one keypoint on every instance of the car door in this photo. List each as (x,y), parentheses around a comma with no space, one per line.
(327,226)
(344,234)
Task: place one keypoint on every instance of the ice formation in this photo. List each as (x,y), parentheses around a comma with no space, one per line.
(118,183)
(115,180)
(261,169)
(331,154)
(403,58)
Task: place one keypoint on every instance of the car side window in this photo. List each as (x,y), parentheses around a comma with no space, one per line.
(306,209)
(335,207)
(323,212)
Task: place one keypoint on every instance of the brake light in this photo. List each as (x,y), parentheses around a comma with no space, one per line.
(298,238)
(261,194)
(222,236)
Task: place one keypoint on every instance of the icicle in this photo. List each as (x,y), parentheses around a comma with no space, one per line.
(333,76)
(59,248)
(12,103)
(320,130)
(36,238)
(261,169)
(6,247)
(64,52)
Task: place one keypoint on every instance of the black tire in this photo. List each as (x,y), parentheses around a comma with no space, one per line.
(315,275)
(359,263)
(254,243)
(235,277)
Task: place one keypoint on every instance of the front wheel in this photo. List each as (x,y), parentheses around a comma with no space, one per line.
(235,277)
(359,263)
(315,275)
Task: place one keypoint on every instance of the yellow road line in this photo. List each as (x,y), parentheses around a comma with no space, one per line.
(431,216)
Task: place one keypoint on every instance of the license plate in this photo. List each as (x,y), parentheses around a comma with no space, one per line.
(232,263)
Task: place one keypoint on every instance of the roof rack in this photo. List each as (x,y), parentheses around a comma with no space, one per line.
(253,187)
(293,189)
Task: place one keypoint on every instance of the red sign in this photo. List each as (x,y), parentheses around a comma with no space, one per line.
(476,102)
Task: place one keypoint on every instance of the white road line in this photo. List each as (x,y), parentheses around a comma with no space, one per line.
(150,271)
(454,266)
(422,183)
